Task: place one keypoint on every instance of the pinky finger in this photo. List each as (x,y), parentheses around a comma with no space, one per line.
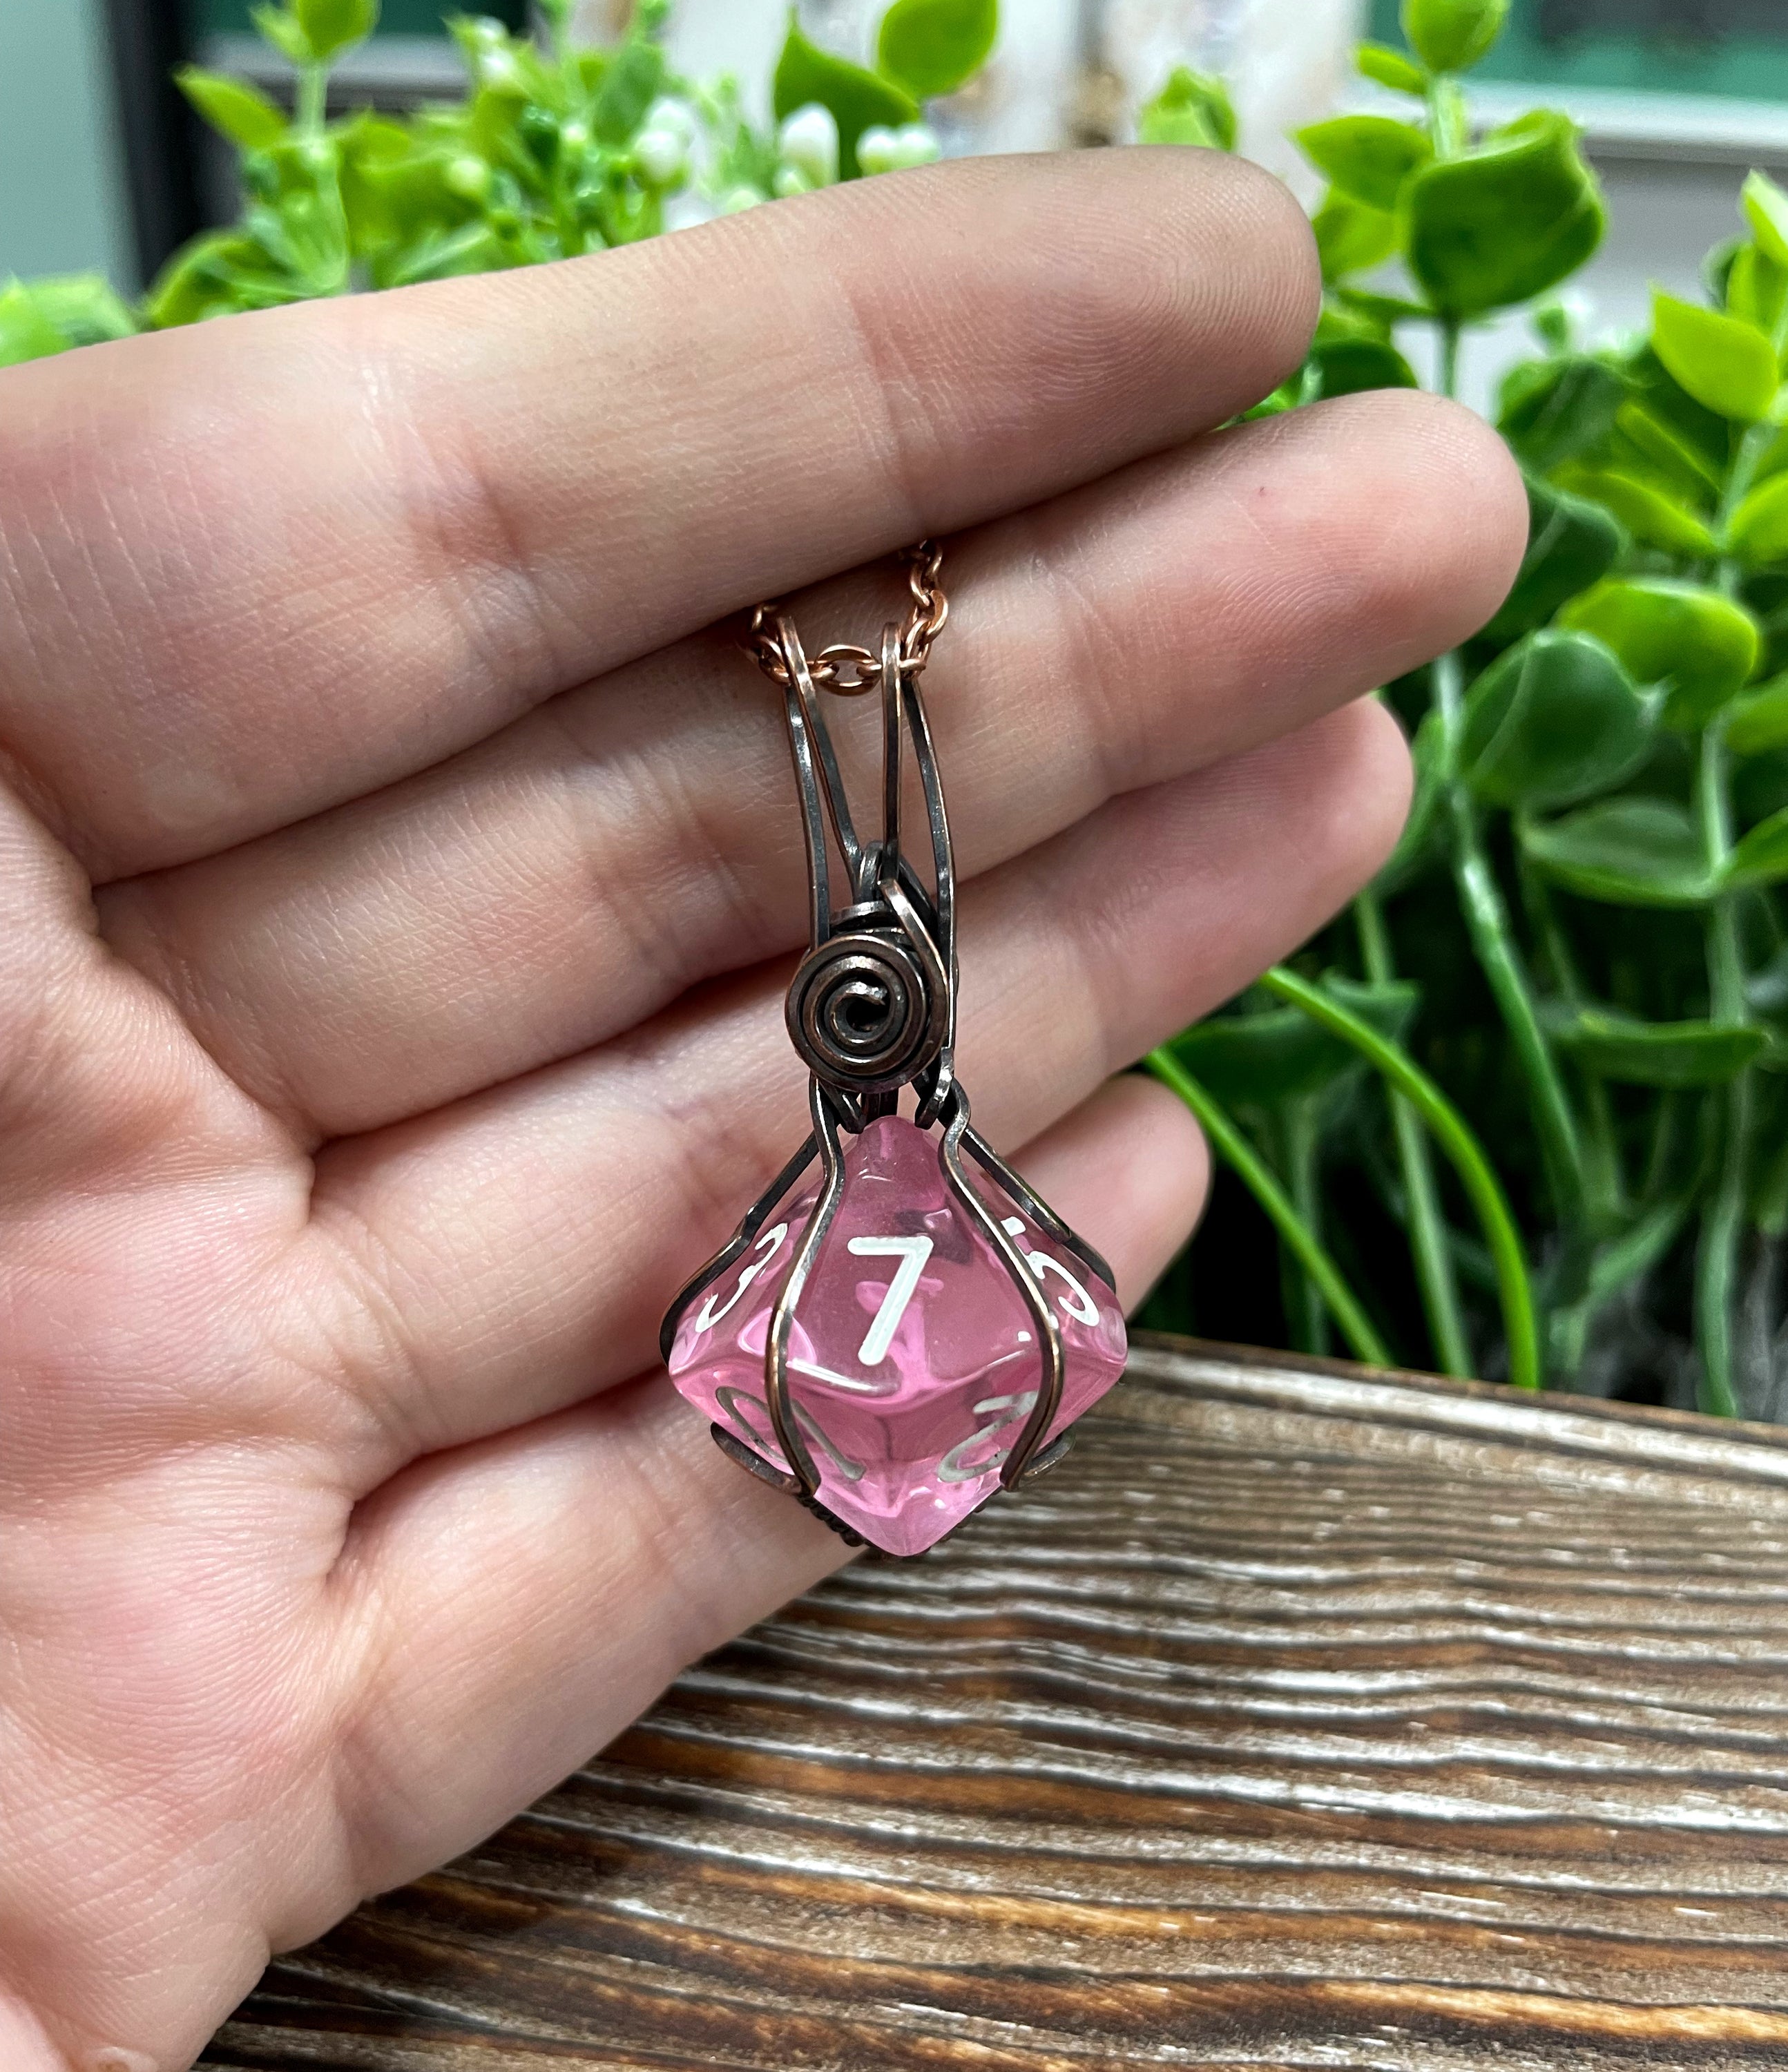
(517,1602)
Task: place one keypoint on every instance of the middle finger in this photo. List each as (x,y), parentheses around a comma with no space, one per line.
(568,877)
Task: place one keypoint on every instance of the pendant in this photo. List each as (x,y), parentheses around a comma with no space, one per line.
(897,1337)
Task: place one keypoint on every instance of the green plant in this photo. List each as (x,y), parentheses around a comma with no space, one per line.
(1601,813)
(1579,952)
(555,151)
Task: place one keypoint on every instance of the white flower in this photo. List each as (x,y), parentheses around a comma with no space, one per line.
(662,156)
(669,116)
(808,139)
(883,150)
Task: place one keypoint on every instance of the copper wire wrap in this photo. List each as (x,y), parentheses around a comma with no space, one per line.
(872,1007)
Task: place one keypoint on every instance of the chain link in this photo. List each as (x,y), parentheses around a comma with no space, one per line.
(846,667)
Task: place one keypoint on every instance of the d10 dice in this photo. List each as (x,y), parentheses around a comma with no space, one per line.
(913,1359)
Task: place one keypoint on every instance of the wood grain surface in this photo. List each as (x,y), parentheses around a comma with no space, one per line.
(1308,1717)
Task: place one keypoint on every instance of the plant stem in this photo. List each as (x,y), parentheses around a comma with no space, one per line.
(1487,918)
(1308,1317)
(1446,116)
(1604,1181)
(1474,1169)
(1231,1146)
(1450,334)
(1722,1224)
(1493,937)
(1717,1257)
(312,99)
(1432,1252)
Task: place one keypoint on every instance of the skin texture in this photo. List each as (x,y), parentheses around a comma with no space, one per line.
(399,874)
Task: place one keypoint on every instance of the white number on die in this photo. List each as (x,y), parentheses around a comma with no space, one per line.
(728,1401)
(912,1252)
(1077,1303)
(708,1316)
(1012,1410)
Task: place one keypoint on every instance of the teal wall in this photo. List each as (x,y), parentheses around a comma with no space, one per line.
(62,204)
(1746,67)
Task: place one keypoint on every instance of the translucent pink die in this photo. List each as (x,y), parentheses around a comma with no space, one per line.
(913,1359)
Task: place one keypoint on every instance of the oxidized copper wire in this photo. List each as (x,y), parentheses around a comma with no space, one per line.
(872,1009)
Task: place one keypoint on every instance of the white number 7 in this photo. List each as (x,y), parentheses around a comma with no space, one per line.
(912,1252)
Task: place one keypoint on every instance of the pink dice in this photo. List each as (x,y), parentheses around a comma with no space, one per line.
(914,1360)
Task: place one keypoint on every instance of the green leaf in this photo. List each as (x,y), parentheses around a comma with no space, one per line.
(1551,410)
(1367,157)
(330,26)
(1648,513)
(1761,856)
(1571,542)
(932,46)
(1279,1054)
(1192,107)
(1504,222)
(1451,36)
(26,332)
(1348,365)
(1663,445)
(1724,364)
(1379,314)
(218,272)
(858,100)
(1391,68)
(474,248)
(1261,1059)
(1757,531)
(1554,720)
(280,28)
(1759,722)
(1766,207)
(84,307)
(1702,646)
(233,109)
(1350,237)
(1657,1054)
(1756,290)
(632,81)
(1625,851)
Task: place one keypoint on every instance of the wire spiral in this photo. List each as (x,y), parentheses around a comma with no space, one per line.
(864,1013)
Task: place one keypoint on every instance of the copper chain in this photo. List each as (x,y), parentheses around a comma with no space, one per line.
(846,667)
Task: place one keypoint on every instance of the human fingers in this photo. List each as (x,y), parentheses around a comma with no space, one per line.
(569,878)
(516,1603)
(248,569)
(500,1259)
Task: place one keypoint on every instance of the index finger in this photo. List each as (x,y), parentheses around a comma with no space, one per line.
(252,569)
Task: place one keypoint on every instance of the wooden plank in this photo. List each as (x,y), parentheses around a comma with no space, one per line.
(1308,1717)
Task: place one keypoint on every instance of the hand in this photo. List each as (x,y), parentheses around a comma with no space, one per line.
(398,886)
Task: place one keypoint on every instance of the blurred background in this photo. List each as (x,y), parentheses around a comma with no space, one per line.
(101,164)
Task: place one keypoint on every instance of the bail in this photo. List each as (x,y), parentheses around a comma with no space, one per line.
(872,1007)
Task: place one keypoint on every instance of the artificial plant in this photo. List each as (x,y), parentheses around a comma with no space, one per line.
(557,149)
(1578,954)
